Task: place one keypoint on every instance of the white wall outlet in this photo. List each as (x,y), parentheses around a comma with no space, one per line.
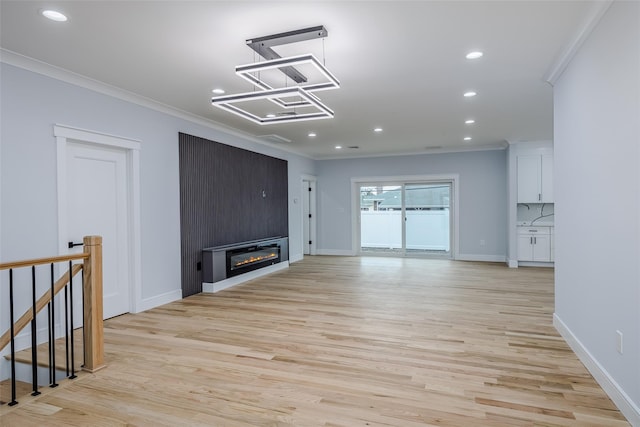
(482,242)
(619,341)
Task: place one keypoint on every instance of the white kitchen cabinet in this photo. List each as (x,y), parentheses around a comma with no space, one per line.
(534,244)
(535,178)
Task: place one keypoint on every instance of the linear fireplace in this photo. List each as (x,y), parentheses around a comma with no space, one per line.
(223,262)
(251,258)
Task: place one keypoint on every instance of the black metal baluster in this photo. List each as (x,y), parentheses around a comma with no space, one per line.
(66,328)
(52,340)
(34,336)
(73,372)
(50,324)
(13,346)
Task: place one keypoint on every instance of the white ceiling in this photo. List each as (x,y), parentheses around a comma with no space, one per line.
(401,64)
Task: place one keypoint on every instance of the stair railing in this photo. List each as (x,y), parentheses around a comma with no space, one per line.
(93,338)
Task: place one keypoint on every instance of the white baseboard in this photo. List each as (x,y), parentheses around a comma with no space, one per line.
(336,252)
(535,264)
(480,257)
(628,408)
(158,300)
(296,258)
(232,281)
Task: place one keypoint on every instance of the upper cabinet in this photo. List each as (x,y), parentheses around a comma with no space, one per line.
(535,178)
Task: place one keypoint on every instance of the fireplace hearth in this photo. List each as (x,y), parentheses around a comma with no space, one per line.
(223,262)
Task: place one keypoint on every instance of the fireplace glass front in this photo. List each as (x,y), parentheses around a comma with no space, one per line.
(251,258)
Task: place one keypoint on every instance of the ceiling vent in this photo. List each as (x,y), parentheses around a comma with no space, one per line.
(276,139)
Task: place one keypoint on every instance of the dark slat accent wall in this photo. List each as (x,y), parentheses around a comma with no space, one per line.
(221,200)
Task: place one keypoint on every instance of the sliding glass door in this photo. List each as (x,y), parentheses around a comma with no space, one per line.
(406,218)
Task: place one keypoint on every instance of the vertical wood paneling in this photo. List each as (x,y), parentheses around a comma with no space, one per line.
(221,200)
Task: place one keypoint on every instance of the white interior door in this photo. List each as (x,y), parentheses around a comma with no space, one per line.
(306,219)
(97,204)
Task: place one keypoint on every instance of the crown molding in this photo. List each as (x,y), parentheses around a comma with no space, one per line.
(561,62)
(30,64)
(443,150)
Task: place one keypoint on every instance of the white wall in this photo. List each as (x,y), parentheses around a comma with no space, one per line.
(483,192)
(597,209)
(32,103)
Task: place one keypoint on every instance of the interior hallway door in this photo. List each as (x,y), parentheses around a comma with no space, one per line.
(97,204)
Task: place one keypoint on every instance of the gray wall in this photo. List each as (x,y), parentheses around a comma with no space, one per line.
(483,192)
(597,210)
(222,202)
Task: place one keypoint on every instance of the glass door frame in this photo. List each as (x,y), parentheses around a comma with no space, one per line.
(402,181)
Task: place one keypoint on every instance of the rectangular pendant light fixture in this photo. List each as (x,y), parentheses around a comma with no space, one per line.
(331,83)
(227,103)
(306,99)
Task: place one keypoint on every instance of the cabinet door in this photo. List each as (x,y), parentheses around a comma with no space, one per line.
(528,179)
(525,247)
(546,179)
(541,248)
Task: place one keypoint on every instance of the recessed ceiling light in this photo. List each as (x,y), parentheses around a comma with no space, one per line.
(474,55)
(469,94)
(467,138)
(469,122)
(54,15)
(312,134)
(377,130)
(338,147)
(218,91)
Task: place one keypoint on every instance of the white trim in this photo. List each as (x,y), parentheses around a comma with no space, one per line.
(85,135)
(624,403)
(481,257)
(39,67)
(296,258)
(336,252)
(158,300)
(232,281)
(459,149)
(535,264)
(63,135)
(598,9)
(401,179)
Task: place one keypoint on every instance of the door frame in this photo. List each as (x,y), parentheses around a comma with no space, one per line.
(313,222)
(356,182)
(66,134)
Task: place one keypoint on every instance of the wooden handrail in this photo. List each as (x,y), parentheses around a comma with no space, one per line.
(92,298)
(40,261)
(40,304)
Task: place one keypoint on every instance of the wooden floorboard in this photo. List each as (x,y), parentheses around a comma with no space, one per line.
(341,341)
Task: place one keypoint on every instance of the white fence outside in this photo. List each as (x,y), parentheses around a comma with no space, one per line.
(426,230)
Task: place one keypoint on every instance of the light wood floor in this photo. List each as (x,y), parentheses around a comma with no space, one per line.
(335,341)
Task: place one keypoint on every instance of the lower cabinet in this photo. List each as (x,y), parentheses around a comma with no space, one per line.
(534,244)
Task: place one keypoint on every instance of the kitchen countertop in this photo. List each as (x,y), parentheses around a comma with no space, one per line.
(535,224)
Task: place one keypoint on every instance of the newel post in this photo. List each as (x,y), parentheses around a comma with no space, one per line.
(92,295)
